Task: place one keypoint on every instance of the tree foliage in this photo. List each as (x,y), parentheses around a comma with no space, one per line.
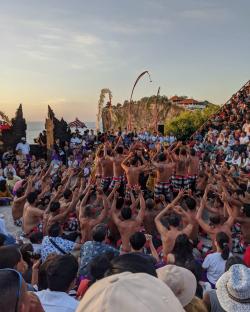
(184,125)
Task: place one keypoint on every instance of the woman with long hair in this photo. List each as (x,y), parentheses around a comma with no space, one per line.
(182,251)
(214,263)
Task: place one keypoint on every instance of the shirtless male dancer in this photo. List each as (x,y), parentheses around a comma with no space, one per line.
(127,225)
(87,215)
(217,226)
(164,171)
(19,202)
(171,229)
(133,169)
(107,169)
(32,216)
(117,160)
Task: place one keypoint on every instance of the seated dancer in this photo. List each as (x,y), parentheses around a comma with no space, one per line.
(32,216)
(126,223)
(87,215)
(54,213)
(217,224)
(19,202)
(164,170)
(242,216)
(170,227)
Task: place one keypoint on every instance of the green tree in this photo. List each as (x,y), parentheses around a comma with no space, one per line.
(184,125)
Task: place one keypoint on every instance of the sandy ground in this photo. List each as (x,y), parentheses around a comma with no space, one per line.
(11,228)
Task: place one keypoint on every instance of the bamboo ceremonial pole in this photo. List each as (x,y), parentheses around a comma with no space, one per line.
(131,97)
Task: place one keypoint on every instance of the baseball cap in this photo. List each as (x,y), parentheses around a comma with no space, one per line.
(129,292)
(180,280)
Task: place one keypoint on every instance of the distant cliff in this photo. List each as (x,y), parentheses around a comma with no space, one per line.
(143,113)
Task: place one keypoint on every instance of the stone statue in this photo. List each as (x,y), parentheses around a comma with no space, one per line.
(17,130)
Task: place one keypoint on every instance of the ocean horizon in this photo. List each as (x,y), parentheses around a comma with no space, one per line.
(36,127)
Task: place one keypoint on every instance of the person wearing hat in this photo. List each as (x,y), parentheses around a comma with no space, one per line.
(129,292)
(233,289)
(23,146)
(183,284)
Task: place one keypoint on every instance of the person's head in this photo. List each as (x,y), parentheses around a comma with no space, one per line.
(99,265)
(246,210)
(192,152)
(119,202)
(126,213)
(2,239)
(190,203)
(150,203)
(3,186)
(11,257)
(42,272)
(19,192)
(126,291)
(88,211)
(133,161)
(23,140)
(137,241)
(173,219)
(61,273)
(13,292)
(26,250)
(222,244)
(119,150)
(162,157)
(67,194)
(99,232)
(215,219)
(36,238)
(233,289)
(22,173)
(131,262)
(182,245)
(54,206)
(10,175)
(180,280)
(54,230)
(32,198)
(232,261)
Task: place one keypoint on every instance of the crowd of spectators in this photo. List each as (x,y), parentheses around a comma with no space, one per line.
(131,220)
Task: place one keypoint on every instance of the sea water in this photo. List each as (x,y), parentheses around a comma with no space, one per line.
(36,127)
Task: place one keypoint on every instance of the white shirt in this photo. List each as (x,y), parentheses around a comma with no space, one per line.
(75,141)
(57,301)
(215,266)
(236,161)
(24,147)
(244,140)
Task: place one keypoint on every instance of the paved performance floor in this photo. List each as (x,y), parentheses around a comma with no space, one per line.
(11,228)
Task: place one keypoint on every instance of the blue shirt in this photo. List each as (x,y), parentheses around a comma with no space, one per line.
(90,250)
(48,248)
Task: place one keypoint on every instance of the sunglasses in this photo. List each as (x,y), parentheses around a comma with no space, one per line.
(19,286)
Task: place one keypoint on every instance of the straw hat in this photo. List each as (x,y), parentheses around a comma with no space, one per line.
(129,292)
(180,280)
(233,289)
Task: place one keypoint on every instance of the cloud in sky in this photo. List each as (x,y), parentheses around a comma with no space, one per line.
(66,51)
